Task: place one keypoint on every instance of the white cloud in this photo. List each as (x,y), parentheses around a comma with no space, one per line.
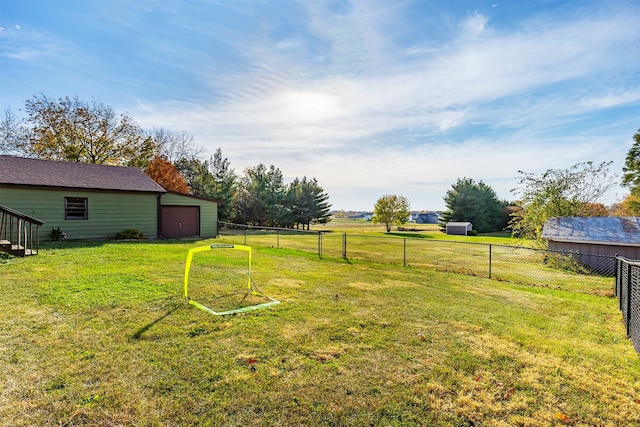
(377,129)
(418,50)
(288,44)
(612,99)
(31,45)
(473,25)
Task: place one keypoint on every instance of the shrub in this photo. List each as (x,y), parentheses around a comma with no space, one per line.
(567,262)
(472,233)
(130,233)
(56,235)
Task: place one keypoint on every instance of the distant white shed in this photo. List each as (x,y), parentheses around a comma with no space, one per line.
(459,228)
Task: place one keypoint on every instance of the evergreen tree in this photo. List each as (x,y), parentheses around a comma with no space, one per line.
(320,206)
(198,177)
(213,179)
(631,176)
(307,202)
(260,197)
(224,183)
(475,202)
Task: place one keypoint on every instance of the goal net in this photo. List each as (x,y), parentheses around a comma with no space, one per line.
(217,279)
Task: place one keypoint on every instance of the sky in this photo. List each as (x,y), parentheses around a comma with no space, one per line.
(369,97)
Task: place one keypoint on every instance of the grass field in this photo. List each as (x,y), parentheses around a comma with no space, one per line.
(99,334)
(429,231)
(495,255)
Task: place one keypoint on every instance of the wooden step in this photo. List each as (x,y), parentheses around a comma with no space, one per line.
(20,225)
(17,250)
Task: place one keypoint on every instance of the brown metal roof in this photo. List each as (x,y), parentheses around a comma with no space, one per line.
(48,173)
(624,231)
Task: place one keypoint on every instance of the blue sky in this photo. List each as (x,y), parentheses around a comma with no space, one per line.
(369,97)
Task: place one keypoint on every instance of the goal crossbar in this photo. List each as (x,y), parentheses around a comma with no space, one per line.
(250,288)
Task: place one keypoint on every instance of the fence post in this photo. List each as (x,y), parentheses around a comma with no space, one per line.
(627,309)
(278,239)
(245,234)
(627,266)
(490,263)
(617,275)
(344,246)
(320,244)
(404,250)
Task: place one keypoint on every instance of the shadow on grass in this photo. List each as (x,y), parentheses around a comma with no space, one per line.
(414,235)
(148,326)
(79,244)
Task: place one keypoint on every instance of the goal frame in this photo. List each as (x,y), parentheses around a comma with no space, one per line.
(251,288)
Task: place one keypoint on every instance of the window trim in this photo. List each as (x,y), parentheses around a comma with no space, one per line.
(77,212)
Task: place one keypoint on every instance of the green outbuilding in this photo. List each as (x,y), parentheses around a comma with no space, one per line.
(89,201)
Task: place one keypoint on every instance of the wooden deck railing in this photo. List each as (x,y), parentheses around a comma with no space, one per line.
(19,233)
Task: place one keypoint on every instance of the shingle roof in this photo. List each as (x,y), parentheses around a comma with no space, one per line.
(48,173)
(624,231)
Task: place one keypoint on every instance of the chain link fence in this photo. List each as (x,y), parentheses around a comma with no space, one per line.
(628,292)
(577,272)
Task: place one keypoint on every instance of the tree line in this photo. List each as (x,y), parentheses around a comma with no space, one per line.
(259,196)
(71,129)
(572,192)
(466,200)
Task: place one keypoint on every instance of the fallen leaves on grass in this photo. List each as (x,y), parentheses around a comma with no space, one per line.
(562,417)
(508,394)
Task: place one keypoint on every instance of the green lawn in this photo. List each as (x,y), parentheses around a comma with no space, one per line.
(99,334)
(493,256)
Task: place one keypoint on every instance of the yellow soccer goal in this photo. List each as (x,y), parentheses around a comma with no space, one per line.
(217,279)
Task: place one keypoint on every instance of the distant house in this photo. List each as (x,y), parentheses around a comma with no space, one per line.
(458,228)
(606,236)
(426,217)
(89,201)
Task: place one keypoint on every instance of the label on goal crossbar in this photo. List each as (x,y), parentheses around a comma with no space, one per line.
(222,246)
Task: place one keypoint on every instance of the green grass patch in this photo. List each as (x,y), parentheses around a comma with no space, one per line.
(495,256)
(99,334)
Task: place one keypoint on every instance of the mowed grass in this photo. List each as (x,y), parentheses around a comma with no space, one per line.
(99,334)
(427,231)
(498,257)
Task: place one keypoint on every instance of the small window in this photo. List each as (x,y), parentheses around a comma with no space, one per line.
(76,208)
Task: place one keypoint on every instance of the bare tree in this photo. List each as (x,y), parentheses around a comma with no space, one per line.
(11,132)
(174,145)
